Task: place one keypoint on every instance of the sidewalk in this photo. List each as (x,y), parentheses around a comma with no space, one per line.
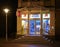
(28,40)
(32,40)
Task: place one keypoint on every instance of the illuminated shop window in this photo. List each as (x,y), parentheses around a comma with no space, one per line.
(46,23)
(46,26)
(35,15)
(46,15)
(24,16)
(24,23)
(24,26)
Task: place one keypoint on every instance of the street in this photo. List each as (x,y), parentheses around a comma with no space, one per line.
(21,45)
(26,42)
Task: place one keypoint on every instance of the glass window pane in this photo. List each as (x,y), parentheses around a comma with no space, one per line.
(38,27)
(46,26)
(24,26)
(32,27)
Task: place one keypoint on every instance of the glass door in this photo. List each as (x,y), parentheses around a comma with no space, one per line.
(32,27)
(38,27)
(34,24)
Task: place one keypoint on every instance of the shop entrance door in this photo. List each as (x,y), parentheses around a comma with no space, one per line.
(34,27)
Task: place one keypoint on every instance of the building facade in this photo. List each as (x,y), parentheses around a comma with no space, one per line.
(36,17)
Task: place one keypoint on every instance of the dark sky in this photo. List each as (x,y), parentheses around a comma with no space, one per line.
(12,5)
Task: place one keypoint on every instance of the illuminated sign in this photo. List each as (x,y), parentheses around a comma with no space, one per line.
(46,15)
(35,15)
(25,16)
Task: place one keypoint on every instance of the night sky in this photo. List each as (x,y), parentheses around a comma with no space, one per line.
(12,5)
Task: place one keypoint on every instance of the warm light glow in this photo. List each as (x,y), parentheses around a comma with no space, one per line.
(25,16)
(6,10)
